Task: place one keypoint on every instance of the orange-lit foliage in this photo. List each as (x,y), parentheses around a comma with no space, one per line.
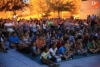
(38,7)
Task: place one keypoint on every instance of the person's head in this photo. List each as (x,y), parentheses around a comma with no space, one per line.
(46,48)
(0,22)
(61,38)
(77,40)
(0,32)
(65,35)
(65,45)
(93,41)
(86,34)
(44,22)
(54,45)
(7,21)
(99,33)
(14,34)
(80,37)
(26,34)
(67,41)
(59,31)
(47,33)
(98,41)
(53,37)
(92,14)
(40,37)
(33,43)
(54,32)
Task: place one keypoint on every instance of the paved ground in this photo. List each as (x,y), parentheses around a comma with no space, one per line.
(15,59)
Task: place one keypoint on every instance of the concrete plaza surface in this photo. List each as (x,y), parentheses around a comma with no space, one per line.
(15,59)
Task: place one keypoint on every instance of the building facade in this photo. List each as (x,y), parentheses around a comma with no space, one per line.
(89,7)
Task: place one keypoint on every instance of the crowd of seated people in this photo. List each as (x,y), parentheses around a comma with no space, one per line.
(52,38)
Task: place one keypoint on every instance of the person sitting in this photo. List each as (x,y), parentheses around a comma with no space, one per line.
(54,52)
(60,42)
(47,39)
(64,52)
(59,34)
(33,38)
(53,33)
(14,40)
(40,42)
(71,38)
(92,46)
(34,28)
(34,49)
(8,26)
(98,44)
(25,44)
(26,39)
(85,39)
(2,43)
(65,37)
(79,47)
(44,58)
(53,39)
(70,46)
(25,26)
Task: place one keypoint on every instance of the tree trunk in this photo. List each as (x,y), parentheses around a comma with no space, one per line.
(14,12)
(58,14)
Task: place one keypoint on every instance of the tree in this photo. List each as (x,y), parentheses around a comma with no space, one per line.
(61,5)
(41,7)
(12,5)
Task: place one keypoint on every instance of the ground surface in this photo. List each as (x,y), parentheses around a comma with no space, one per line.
(15,59)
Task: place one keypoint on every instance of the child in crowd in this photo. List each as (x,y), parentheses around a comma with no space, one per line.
(2,43)
(98,44)
(47,39)
(53,39)
(54,52)
(44,58)
(25,44)
(79,47)
(64,52)
(60,42)
(40,42)
(14,40)
(59,34)
(34,49)
(92,46)
(26,39)
(70,46)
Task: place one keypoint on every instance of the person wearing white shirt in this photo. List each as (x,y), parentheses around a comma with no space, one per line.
(9,26)
(44,26)
(44,58)
(53,52)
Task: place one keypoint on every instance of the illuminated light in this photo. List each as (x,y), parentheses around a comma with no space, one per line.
(27,13)
(14,16)
(95,4)
(26,1)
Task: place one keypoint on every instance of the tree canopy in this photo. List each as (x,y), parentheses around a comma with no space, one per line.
(43,7)
(11,5)
(40,7)
(61,5)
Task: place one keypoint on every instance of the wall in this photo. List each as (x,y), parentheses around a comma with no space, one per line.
(89,7)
